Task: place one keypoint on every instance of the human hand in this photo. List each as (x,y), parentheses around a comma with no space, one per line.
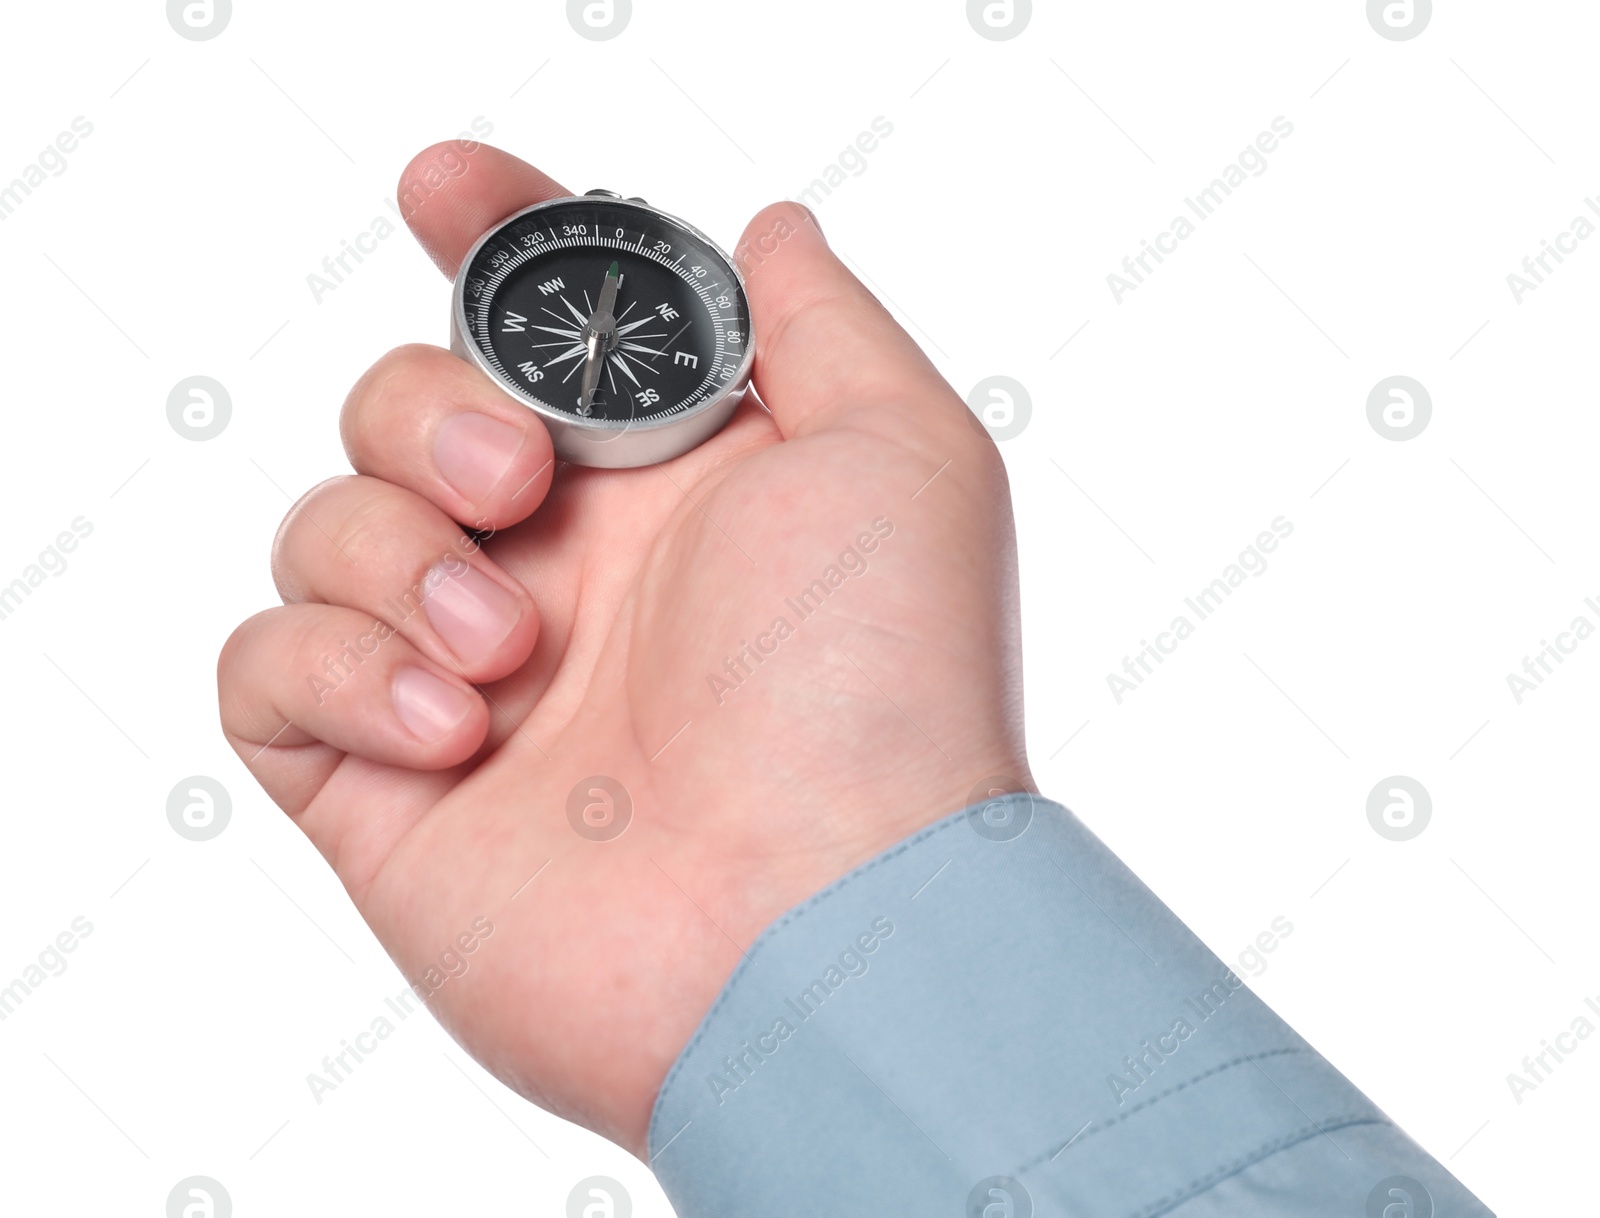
(592,634)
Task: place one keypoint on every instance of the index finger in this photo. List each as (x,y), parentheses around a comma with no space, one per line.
(453,192)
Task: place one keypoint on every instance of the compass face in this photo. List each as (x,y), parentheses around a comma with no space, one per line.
(674,342)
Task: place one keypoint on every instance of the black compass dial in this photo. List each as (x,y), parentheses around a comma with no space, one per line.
(605,310)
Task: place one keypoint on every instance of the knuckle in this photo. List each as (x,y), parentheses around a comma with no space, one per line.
(317,521)
(362,417)
(363,524)
(309,639)
(238,672)
(238,644)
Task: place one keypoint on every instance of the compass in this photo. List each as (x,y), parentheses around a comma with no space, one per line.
(625,329)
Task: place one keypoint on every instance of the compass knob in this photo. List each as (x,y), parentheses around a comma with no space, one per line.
(611,194)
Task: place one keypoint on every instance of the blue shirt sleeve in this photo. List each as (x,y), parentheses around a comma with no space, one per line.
(996,1018)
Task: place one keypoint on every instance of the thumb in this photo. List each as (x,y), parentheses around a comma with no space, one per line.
(828,354)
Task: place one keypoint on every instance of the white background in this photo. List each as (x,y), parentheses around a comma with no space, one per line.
(1228,390)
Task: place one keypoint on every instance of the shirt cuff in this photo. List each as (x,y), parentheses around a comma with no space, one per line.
(995,1017)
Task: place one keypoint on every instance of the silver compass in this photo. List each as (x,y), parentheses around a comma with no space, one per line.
(625,329)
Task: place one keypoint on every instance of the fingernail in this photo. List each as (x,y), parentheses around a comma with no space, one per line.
(430,708)
(471,612)
(473,453)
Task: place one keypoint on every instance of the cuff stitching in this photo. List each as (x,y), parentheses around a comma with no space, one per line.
(1202,1184)
(1156,1099)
